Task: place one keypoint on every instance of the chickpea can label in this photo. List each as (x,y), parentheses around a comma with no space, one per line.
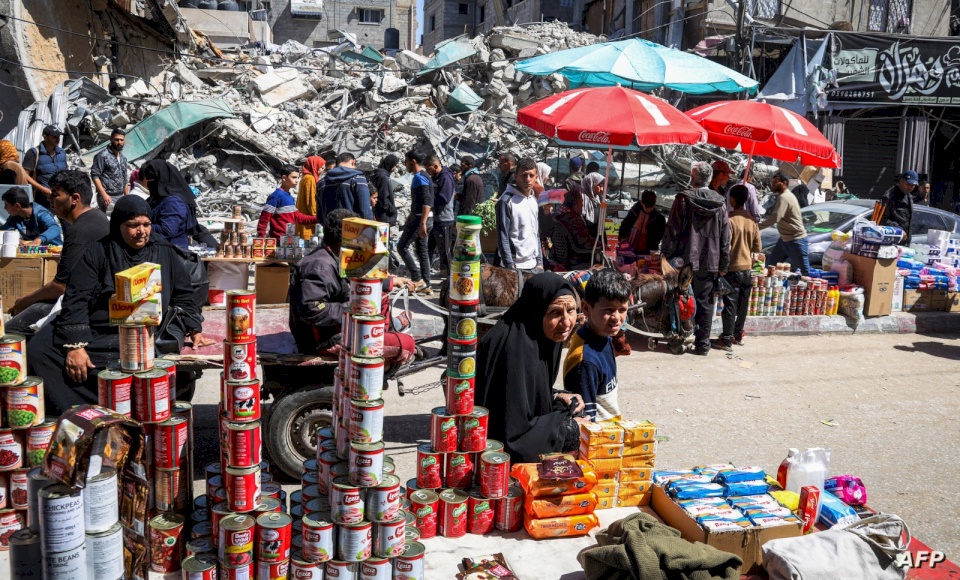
(105,553)
(463,320)
(354,542)
(429,468)
(241,306)
(240,360)
(480,514)
(244,443)
(443,430)
(13,359)
(274,533)
(460,393)
(368,335)
(366,378)
(151,396)
(366,421)
(473,430)
(494,474)
(115,391)
(243,488)
(383,501)
(317,538)
(425,506)
(11,450)
(389,537)
(462,357)
(101,508)
(61,518)
(25,403)
(243,401)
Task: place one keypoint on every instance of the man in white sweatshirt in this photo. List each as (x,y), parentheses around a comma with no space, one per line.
(518,226)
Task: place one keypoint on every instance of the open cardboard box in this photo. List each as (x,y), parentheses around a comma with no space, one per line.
(743,543)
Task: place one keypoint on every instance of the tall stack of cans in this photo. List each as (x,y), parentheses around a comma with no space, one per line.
(463,483)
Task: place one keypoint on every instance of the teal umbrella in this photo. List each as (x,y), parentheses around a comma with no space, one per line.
(639,64)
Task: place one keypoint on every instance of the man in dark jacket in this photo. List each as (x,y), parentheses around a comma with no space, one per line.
(899,202)
(507,163)
(344,187)
(473,186)
(698,234)
(444,218)
(644,225)
(385,210)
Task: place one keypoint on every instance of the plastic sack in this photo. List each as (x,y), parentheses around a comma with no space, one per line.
(844,270)
(834,253)
(560,505)
(851,302)
(534,486)
(848,488)
(562,527)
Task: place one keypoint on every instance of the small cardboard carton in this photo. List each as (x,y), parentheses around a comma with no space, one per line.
(147,312)
(604,451)
(600,433)
(877,277)
(638,432)
(360,264)
(366,235)
(897,304)
(137,283)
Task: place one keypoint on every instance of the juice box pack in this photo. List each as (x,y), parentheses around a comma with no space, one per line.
(138,283)
(366,235)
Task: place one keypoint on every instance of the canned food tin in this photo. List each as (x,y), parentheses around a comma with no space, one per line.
(425,506)
(443,430)
(273,570)
(243,488)
(509,511)
(340,570)
(453,513)
(11,450)
(19,487)
(213,484)
(296,512)
(429,468)
(339,469)
(195,568)
(269,498)
(170,368)
(473,430)
(366,464)
(308,493)
(354,542)
(105,554)
(309,477)
(166,542)
(38,441)
(494,474)
(136,348)
(462,357)
(366,421)
(383,500)
(242,572)
(463,320)
(201,545)
(346,502)
(61,518)
(67,565)
(411,534)
(302,568)
(274,531)
(199,515)
(480,513)
(325,463)
(242,402)
(101,508)
(240,360)
(367,336)
(389,537)
(218,512)
(409,565)
(366,296)
(24,403)
(151,396)
(200,502)
(235,539)
(203,529)
(366,378)
(465,280)
(317,538)
(13,359)
(460,393)
(10,522)
(241,322)
(375,568)
(170,443)
(4,498)
(114,391)
(25,553)
(243,444)
(171,486)
(343,437)
(458,472)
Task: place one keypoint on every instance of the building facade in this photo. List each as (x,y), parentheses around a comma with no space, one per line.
(444,19)
(320,22)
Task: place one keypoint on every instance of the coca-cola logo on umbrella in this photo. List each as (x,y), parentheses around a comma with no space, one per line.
(738,131)
(595,137)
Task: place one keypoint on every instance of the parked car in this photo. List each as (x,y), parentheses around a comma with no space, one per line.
(823,218)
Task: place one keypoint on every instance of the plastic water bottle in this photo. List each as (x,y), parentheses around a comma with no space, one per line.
(785,466)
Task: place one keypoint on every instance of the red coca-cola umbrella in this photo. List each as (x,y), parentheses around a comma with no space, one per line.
(766,130)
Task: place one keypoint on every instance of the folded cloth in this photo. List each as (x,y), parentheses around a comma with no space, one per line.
(639,547)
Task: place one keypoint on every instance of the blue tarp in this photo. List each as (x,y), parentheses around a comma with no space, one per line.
(791,85)
(449,52)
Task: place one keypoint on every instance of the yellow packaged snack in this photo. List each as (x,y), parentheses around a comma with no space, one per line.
(606,469)
(605,503)
(603,451)
(634,500)
(360,264)
(639,461)
(606,489)
(600,433)
(628,474)
(563,527)
(560,505)
(137,283)
(534,486)
(647,448)
(146,312)
(638,432)
(634,487)
(366,235)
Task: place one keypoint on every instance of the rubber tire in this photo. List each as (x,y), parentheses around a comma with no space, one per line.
(286,447)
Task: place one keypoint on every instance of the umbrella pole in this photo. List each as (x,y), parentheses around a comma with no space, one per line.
(602,221)
(746,172)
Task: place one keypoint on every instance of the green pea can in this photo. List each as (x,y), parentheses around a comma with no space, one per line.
(13,359)
(25,404)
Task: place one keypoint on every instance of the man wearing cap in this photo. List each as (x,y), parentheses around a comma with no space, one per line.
(899,204)
(721,176)
(43,162)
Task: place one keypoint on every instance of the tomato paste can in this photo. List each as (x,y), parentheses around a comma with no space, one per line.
(170,443)
(11,449)
(409,565)
(201,545)
(460,393)
(136,348)
(453,513)
(38,441)
(462,357)
(492,445)
(480,513)
(101,509)
(443,430)
(273,570)
(317,537)
(114,391)
(302,568)
(246,571)
(170,368)
(346,502)
(465,280)
(366,296)
(240,360)
(105,553)
(274,531)
(376,568)
(18,486)
(61,518)
(366,382)
(473,430)
(463,320)
(243,444)
(235,539)
(429,467)
(410,487)
(151,396)
(389,537)
(24,403)
(354,543)
(242,402)
(167,540)
(199,568)
(508,516)
(366,421)
(340,570)
(241,310)
(214,483)
(13,359)
(67,565)
(425,505)
(171,493)
(383,500)
(367,336)
(458,472)
(494,474)
(243,488)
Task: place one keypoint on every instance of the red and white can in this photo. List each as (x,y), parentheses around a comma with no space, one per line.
(492,445)
(268,504)
(340,570)
(458,472)
(170,443)
(494,474)
(383,501)
(354,541)
(274,532)
(409,565)
(480,513)
(460,393)
(241,322)
(366,296)
(317,538)
(429,468)
(425,505)
(453,513)
(244,444)
(343,437)
(346,502)
(325,463)
(236,537)
(243,488)
(11,449)
(473,430)
(240,360)
(365,382)
(241,572)
(301,568)
(367,336)
(273,570)
(219,511)
(308,493)
(169,367)
(151,396)
(366,464)
(443,430)
(136,348)
(170,486)
(508,515)
(366,421)
(242,401)
(19,489)
(115,391)
(375,568)
(200,567)
(389,537)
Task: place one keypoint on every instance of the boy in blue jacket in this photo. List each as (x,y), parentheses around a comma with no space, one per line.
(590,368)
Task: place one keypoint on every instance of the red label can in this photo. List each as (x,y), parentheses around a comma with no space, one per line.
(365,382)
(303,569)
(425,504)
(241,306)
(509,511)
(19,491)
(170,443)
(274,531)
(243,444)
(167,540)
(240,360)
(480,513)
(151,396)
(242,403)
(243,488)
(235,539)
(459,470)
(473,430)
(170,368)
(494,474)
(410,487)
(453,513)
(273,570)
(460,392)
(219,511)
(367,336)
(241,572)
(443,430)
(171,493)
(114,391)
(429,468)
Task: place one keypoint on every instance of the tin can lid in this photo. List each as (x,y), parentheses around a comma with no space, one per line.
(495,457)
(412,550)
(167,521)
(389,480)
(274,520)
(453,495)
(424,496)
(8,338)
(236,522)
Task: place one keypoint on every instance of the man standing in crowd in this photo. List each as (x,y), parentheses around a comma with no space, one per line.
(753,202)
(507,162)
(43,162)
(792,245)
(444,218)
(36,224)
(572,182)
(109,171)
(518,225)
(899,204)
(473,187)
(698,233)
(345,187)
(385,208)
(644,225)
(921,196)
(721,177)
(418,225)
(70,200)
(744,242)
(280,208)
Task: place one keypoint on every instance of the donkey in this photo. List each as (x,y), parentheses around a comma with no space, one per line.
(667,300)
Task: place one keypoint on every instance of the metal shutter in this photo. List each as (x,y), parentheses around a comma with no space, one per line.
(869,155)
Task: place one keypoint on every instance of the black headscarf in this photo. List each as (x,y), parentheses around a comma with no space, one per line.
(389,162)
(164,179)
(517,366)
(118,252)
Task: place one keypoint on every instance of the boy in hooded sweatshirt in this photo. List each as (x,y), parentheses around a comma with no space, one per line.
(345,187)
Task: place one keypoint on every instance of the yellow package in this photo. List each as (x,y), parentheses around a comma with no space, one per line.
(634,487)
(639,461)
(533,485)
(787,499)
(638,432)
(605,503)
(138,283)
(636,474)
(366,235)
(562,527)
(634,500)
(606,469)
(360,264)
(606,489)
(647,448)
(603,451)
(560,505)
(600,433)
(146,312)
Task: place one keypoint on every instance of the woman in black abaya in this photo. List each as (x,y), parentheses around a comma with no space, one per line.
(519,360)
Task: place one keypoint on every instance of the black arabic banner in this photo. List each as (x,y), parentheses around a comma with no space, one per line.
(895,69)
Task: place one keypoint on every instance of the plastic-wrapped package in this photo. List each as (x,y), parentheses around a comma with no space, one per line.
(845,271)
(851,302)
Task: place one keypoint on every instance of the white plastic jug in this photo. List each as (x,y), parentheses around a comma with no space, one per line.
(809,468)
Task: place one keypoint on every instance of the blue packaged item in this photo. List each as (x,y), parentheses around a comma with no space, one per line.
(746,488)
(881,235)
(703,501)
(741,474)
(770,520)
(834,512)
(697,490)
(759,499)
(711,470)
(666,475)
(719,524)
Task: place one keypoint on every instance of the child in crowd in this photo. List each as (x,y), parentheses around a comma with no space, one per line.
(590,369)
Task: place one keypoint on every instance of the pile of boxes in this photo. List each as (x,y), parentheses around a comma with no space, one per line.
(927,280)
(137,297)
(623,455)
(365,249)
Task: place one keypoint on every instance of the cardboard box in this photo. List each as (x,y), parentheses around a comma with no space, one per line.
(628,474)
(648,448)
(604,451)
(366,235)
(605,503)
(600,433)
(877,278)
(744,543)
(924,300)
(272,283)
(360,264)
(639,461)
(634,500)
(138,283)
(897,304)
(638,432)
(953,302)
(606,469)
(147,312)
(19,277)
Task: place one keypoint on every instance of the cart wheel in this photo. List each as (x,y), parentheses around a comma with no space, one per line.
(292,430)
(651,344)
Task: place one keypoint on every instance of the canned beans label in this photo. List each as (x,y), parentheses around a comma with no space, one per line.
(11,450)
